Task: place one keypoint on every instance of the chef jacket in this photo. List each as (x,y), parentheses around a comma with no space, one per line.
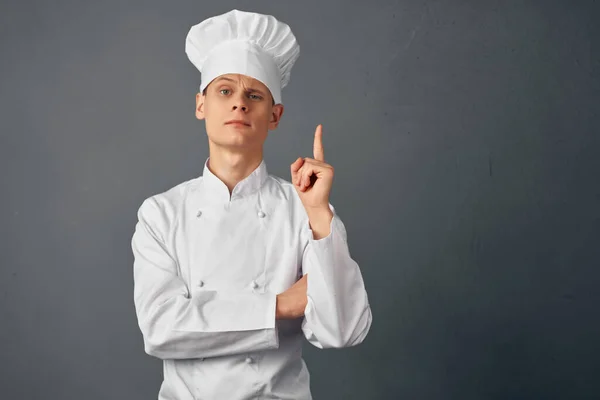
(207,268)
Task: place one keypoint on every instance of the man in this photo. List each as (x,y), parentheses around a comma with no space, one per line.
(234,268)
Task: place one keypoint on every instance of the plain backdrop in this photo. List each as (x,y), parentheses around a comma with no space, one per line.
(464,136)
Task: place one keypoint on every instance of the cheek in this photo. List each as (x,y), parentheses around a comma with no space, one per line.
(212,113)
(265,117)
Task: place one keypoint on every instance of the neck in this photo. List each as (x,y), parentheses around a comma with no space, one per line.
(232,166)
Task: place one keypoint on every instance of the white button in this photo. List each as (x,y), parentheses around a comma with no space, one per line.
(261,214)
(254,285)
(200,283)
(199,214)
(248,360)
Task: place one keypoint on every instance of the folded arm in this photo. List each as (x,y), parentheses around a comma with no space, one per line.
(176,323)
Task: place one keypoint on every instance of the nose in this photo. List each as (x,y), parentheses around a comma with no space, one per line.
(240,102)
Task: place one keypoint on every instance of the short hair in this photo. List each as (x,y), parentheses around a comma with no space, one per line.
(204,94)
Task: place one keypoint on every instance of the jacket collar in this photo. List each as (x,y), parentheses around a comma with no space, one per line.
(216,191)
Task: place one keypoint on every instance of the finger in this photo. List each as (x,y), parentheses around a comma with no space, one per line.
(302,172)
(303,177)
(298,181)
(306,176)
(312,161)
(297,164)
(318,152)
(295,170)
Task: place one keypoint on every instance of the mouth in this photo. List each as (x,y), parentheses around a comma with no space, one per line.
(237,122)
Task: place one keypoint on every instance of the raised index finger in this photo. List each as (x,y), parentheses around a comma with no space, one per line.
(318,152)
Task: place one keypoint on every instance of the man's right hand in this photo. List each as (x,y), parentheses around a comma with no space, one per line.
(292,302)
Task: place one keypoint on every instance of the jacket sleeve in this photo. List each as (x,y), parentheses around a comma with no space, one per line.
(337,313)
(176,323)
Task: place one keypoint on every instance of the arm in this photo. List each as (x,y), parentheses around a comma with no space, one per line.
(337,313)
(177,324)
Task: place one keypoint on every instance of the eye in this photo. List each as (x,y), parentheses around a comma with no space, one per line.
(224,90)
(255,97)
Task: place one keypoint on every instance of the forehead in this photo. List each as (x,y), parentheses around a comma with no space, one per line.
(240,79)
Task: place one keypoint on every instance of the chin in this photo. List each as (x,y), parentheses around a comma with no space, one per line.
(236,143)
(232,137)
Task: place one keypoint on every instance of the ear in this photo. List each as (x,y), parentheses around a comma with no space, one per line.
(200,106)
(276,114)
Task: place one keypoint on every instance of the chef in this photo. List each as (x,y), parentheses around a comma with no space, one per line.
(235,268)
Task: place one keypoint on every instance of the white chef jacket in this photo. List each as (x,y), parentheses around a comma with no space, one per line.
(207,269)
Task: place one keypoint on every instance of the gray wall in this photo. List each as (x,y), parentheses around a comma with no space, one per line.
(465,140)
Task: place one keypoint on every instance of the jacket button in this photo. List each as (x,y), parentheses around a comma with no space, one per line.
(200,283)
(199,214)
(261,214)
(248,360)
(254,285)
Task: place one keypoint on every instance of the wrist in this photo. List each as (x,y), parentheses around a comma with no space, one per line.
(280,307)
(318,211)
(288,307)
(320,221)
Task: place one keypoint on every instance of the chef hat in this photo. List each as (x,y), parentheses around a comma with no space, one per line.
(240,42)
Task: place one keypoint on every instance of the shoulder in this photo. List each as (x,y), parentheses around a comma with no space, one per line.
(280,183)
(163,206)
(282,190)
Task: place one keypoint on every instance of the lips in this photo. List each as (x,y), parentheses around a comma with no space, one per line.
(237,121)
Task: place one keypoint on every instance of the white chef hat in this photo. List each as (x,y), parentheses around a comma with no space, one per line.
(240,42)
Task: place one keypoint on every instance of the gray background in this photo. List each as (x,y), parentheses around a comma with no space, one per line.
(465,140)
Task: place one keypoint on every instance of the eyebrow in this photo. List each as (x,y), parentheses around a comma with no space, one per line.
(222,78)
(249,89)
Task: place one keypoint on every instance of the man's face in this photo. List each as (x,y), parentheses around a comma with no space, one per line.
(236,97)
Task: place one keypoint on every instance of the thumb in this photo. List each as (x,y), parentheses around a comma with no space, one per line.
(296,165)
